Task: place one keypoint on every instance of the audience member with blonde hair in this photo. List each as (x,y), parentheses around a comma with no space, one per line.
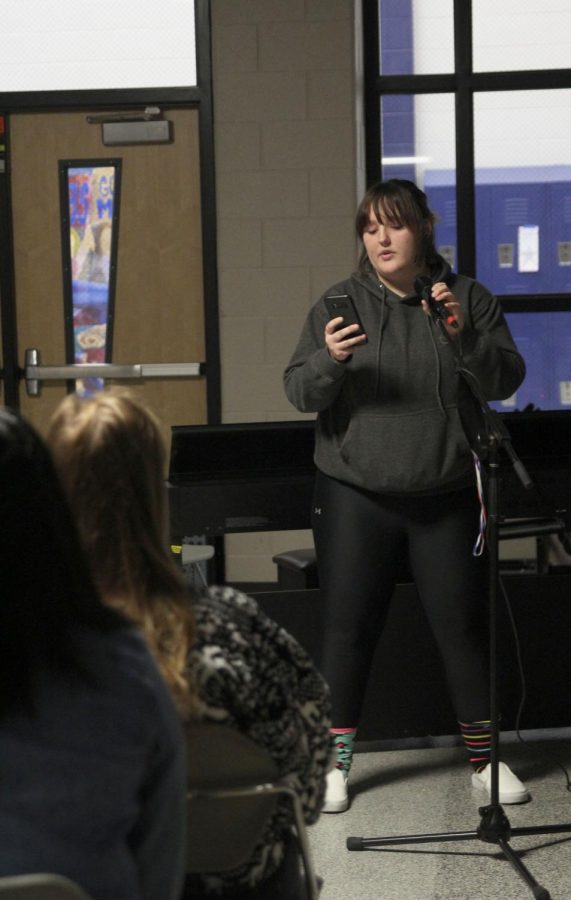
(91,749)
(111,459)
(242,669)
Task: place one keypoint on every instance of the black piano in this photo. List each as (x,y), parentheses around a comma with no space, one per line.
(542,441)
(259,476)
(242,477)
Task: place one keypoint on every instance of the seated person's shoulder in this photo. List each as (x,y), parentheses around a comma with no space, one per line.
(124,667)
(238,644)
(227,608)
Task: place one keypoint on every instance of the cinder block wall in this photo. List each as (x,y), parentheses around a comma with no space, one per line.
(288,176)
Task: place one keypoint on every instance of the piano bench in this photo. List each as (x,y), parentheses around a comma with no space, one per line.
(297,569)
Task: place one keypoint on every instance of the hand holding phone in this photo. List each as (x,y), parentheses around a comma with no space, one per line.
(342,305)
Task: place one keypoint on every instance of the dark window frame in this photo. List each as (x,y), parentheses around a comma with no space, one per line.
(463,83)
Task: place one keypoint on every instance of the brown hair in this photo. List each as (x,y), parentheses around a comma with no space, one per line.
(402,202)
(110,456)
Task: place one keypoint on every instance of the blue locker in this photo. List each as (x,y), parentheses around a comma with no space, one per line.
(544,341)
(532,333)
(560,362)
(440,188)
(559,193)
(512,207)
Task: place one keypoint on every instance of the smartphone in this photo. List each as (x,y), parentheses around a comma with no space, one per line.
(342,305)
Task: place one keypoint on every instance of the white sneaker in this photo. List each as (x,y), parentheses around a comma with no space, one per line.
(336,795)
(510,788)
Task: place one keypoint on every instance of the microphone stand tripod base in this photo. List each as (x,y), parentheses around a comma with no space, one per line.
(494,824)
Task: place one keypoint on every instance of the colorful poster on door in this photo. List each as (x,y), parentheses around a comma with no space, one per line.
(92,218)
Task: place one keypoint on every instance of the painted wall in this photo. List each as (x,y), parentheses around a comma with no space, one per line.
(288,176)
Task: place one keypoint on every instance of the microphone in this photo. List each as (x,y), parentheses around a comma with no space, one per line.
(423,288)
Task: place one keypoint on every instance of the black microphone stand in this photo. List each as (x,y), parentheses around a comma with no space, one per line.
(494,827)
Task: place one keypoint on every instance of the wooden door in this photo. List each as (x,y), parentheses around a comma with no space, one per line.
(159,302)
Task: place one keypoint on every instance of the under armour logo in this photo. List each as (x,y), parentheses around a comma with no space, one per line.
(317,510)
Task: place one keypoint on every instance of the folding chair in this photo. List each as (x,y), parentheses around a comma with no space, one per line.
(234,787)
(41,886)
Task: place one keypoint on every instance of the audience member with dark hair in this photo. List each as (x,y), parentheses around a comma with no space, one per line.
(91,748)
(242,670)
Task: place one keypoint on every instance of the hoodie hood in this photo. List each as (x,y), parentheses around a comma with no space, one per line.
(367,276)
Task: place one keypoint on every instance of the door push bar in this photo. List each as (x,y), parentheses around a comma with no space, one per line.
(35,373)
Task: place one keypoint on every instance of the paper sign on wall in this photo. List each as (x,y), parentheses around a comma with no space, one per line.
(528,248)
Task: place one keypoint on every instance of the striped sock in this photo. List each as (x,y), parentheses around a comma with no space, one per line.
(477,737)
(343,740)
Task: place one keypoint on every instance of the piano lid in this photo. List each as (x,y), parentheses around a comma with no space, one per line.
(542,441)
(259,475)
(241,451)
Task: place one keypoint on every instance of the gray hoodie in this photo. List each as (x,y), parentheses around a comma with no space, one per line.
(394,417)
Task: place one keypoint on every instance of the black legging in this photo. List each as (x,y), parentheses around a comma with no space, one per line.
(361,540)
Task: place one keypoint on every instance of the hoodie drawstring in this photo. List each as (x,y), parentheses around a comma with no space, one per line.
(430,327)
(380,339)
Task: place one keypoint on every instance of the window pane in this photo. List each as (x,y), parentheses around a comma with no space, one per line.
(60,45)
(520,38)
(418,143)
(523,191)
(410,33)
(544,340)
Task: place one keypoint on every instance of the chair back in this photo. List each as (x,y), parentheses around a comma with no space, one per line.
(40,886)
(233,788)
(224,828)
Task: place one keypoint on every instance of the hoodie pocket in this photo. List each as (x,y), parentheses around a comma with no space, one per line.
(399,453)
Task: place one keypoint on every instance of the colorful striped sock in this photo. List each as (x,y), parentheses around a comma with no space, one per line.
(343,740)
(477,737)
